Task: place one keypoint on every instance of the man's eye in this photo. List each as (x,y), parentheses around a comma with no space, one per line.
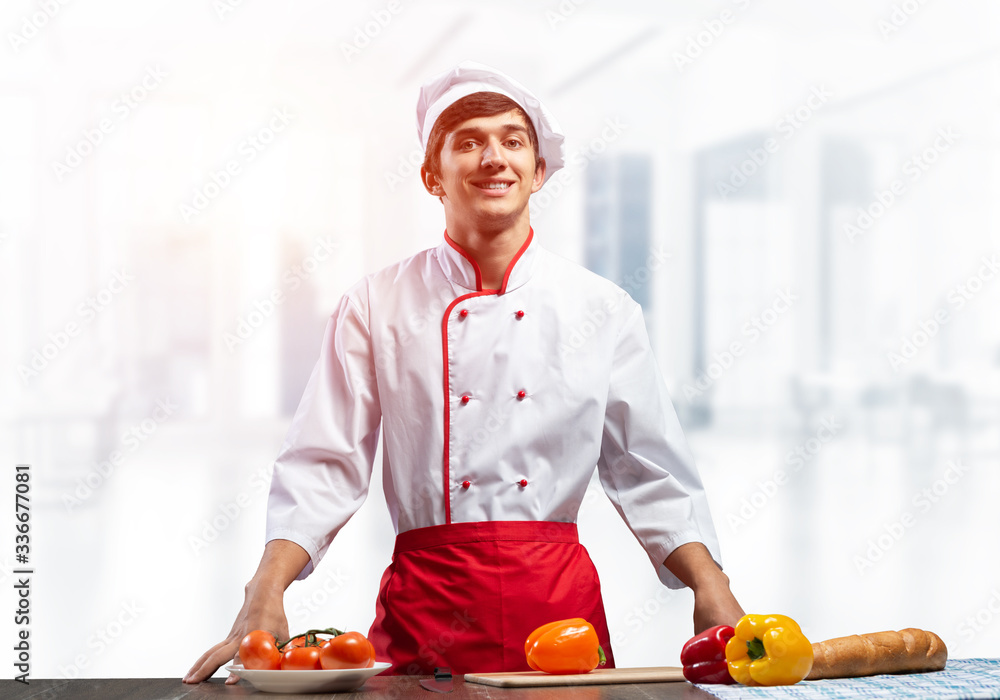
(468,145)
(514,143)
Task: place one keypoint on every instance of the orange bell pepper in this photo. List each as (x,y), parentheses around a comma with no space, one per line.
(564,646)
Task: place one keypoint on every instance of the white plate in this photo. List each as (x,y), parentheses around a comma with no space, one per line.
(308,681)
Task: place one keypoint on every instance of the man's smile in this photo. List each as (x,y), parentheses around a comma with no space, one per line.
(494,186)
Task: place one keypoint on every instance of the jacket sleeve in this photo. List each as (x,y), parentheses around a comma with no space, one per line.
(646,467)
(324,467)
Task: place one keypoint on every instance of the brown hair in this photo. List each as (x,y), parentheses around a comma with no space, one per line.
(478,104)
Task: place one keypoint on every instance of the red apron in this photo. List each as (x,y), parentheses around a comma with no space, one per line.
(467,595)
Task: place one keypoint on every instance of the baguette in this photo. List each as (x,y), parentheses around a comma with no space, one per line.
(906,651)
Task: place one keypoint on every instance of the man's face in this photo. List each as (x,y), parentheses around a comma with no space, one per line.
(487,172)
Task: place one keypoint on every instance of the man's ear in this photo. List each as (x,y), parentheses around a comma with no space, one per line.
(431,182)
(539,178)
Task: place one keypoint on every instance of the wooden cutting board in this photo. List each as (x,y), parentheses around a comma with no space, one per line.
(599,676)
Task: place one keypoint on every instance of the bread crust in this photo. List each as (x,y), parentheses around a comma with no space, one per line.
(906,651)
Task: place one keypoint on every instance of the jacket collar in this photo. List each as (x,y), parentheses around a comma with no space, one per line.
(461,269)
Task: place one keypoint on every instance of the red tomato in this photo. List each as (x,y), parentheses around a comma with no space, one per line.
(296,642)
(300,641)
(348,650)
(258,650)
(300,659)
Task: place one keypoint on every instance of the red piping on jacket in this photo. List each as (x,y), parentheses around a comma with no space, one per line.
(444,348)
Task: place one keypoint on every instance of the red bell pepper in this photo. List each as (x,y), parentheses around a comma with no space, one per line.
(704,656)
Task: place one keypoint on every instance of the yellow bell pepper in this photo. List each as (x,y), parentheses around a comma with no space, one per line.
(768,650)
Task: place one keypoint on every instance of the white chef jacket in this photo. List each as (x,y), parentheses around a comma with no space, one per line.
(493,404)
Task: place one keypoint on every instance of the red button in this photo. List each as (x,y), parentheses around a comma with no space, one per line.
(466,484)
(521,394)
(520,314)
(465,399)
(523,482)
(463,313)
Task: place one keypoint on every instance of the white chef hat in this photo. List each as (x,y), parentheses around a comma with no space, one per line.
(468,77)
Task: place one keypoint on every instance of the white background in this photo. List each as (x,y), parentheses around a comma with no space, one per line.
(115,116)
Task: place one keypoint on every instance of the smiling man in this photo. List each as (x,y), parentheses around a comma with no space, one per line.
(490,438)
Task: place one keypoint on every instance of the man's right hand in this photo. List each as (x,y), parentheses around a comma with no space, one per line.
(260,611)
(263,607)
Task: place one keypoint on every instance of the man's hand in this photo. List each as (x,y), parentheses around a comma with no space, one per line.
(714,602)
(716,606)
(263,607)
(260,611)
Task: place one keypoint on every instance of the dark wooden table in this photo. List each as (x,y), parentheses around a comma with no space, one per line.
(374,689)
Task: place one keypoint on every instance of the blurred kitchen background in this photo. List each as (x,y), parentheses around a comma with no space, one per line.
(803,197)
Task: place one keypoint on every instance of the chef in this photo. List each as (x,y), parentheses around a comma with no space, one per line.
(466,359)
